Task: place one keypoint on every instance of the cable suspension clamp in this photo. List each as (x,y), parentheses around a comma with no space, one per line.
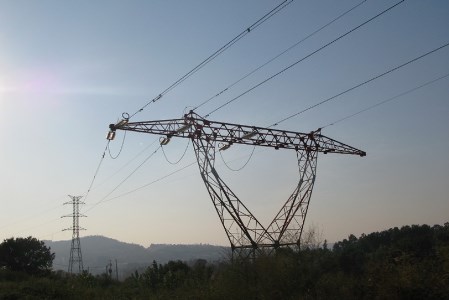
(111,135)
(223,147)
(183,128)
(164,141)
(118,125)
(249,135)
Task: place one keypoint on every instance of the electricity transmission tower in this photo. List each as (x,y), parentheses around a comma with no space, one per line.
(246,234)
(76,257)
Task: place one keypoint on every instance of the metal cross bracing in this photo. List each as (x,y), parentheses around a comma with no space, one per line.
(245,233)
(76,257)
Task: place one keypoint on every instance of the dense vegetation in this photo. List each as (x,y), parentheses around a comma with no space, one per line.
(407,263)
(26,255)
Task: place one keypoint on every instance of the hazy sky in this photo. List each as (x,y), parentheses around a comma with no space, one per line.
(70,68)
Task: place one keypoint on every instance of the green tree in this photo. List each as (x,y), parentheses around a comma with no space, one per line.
(26,255)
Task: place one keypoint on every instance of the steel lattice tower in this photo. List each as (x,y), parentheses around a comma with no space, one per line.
(76,257)
(246,234)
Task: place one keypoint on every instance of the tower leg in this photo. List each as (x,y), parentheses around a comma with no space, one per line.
(244,231)
(287,226)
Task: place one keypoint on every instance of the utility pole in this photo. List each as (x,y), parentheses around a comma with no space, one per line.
(109,269)
(116,270)
(76,257)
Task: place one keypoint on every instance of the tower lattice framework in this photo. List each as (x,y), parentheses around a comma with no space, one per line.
(76,257)
(245,233)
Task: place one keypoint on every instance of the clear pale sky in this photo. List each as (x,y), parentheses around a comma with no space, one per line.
(70,68)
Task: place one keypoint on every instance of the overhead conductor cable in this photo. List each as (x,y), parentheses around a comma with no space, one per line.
(226,46)
(302,59)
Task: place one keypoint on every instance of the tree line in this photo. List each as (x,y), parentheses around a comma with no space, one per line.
(411,262)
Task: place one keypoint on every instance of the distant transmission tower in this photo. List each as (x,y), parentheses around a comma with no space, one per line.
(76,257)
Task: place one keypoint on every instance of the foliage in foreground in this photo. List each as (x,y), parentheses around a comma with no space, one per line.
(407,263)
(27,255)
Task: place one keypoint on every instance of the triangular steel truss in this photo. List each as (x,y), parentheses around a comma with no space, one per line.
(246,234)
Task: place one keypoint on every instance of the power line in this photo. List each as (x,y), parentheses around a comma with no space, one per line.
(342,119)
(361,84)
(259,22)
(97,170)
(255,25)
(31,217)
(263,19)
(121,148)
(279,55)
(243,166)
(125,165)
(90,188)
(226,46)
(182,156)
(304,58)
(162,178)
(387,100)
(40,225)
(42,236)
(104,199)
(124,180)
(35,214)
(151,183)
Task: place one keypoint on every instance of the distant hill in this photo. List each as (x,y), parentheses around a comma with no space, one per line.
(98,251)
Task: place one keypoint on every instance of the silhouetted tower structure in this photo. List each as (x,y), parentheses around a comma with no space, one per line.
(246,234)
(76,257)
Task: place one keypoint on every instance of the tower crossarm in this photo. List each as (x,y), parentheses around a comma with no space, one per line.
(195,127)
(244,231)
